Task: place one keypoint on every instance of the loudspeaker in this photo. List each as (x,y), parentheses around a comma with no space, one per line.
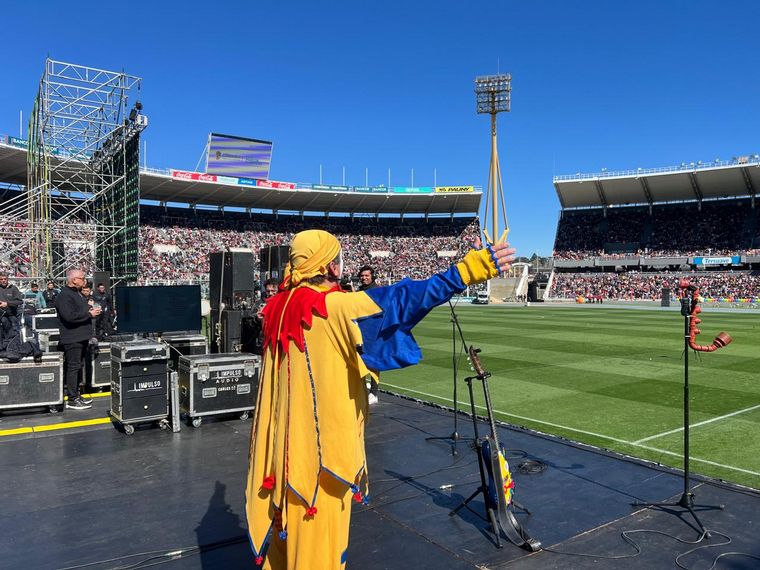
(272,262)
(231,279)
(233,332)
(103,277)
(532,292)
(665,300)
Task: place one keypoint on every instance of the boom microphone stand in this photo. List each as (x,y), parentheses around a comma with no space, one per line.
(454,438)
(690,309)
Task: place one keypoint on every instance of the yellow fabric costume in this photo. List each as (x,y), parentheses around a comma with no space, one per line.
(307,461)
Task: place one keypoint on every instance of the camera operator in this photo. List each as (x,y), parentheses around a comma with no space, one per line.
(367,278)
(75,316)
(270,290)
(367,281)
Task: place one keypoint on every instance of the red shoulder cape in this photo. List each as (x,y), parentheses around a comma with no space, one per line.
(299,312)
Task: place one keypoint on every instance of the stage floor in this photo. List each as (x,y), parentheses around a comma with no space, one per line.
(86,493)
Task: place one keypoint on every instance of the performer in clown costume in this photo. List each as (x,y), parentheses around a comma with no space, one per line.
(307,461)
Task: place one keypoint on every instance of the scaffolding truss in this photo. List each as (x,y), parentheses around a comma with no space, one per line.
(81,204)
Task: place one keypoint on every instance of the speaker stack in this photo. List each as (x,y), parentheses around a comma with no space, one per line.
(272,262)
(231,287)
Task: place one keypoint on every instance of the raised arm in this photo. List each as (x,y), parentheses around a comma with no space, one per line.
(387,339)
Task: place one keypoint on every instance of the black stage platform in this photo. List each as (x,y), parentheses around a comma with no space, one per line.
(80,495)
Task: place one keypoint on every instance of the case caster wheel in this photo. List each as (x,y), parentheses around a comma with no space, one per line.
(197,422)
(163,424)
(54,409)
(244,416)
(129,429)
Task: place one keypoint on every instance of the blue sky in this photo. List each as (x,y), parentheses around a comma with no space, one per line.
(389,84)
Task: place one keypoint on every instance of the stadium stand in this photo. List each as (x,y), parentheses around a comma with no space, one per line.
(175,242)
(724,227)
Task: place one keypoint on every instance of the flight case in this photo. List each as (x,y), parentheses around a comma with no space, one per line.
(184,344)
(27,384)
(213,384)
(139,383)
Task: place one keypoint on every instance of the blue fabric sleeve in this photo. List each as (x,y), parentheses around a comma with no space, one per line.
(387,339)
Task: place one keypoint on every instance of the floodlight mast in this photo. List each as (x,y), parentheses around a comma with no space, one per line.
(493,95)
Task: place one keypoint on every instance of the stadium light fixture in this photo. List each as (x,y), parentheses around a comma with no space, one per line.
(493,95)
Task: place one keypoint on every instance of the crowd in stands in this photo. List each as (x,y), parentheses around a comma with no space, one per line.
(174,243)
(722,227)
(632,285)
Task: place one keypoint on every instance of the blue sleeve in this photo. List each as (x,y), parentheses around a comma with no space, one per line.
(387,338)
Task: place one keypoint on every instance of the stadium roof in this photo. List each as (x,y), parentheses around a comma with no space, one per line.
(727,179)
(179,186)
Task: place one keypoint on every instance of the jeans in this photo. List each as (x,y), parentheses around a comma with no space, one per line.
(75,354)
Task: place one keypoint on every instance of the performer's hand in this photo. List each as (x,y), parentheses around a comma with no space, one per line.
(3,304)
(95,312)
(504,255)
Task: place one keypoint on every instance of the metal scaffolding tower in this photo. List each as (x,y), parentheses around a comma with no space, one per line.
(81,204)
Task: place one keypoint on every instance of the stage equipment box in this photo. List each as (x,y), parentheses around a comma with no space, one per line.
(138,350)
(45,321)
(184,344)
(213,384)
(139,383)
(27,384)
(49,340)
(99,366)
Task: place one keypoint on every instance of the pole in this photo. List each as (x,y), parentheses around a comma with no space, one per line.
(494,181)
(320,174)
(686,406)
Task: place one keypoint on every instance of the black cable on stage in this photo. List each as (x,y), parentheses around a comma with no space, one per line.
(637,547)
(531,467)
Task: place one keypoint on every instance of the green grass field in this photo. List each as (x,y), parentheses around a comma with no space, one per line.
(608,377)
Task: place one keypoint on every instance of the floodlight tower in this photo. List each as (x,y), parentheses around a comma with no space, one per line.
(493,96)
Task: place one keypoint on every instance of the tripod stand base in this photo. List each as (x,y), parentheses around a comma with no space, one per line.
(454,439)
(685,502)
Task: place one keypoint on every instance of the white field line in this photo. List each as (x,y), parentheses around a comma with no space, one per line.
(591,433)
(702,423)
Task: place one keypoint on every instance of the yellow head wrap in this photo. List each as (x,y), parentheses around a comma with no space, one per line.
(311,251)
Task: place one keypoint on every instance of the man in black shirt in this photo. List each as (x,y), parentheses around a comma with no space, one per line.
(10,301)
(103,322)
(75,316)
(50,294)
(367,281)
(366,278)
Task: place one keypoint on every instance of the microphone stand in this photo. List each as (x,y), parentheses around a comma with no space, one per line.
(454,438)
(687,497)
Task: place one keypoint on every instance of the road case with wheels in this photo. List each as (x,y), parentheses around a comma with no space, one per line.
(214,384)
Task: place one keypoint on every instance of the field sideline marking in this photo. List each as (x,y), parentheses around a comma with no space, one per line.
(705,422)
(607,437)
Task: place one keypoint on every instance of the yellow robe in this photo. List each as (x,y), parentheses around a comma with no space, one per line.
(307,459)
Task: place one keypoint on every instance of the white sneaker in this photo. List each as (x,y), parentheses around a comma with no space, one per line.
(372,399)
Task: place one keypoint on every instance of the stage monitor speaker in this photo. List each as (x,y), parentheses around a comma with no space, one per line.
(665,300)
(272,262)
(231,279)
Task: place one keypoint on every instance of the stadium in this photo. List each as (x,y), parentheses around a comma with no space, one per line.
(586,349)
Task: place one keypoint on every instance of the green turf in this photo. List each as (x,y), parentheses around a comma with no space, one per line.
(608,377)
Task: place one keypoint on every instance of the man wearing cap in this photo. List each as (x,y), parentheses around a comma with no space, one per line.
(307,461)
